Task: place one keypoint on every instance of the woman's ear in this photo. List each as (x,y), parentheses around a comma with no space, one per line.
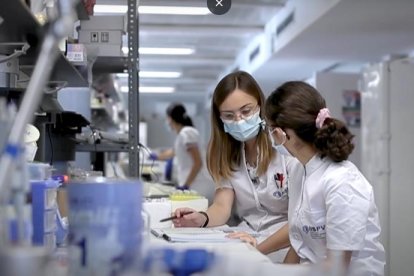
(289,133)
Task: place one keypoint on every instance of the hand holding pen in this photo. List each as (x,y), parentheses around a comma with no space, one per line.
(187,217)
(175,216)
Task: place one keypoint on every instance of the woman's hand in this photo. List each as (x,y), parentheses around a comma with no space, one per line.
(244,237)
(194,219)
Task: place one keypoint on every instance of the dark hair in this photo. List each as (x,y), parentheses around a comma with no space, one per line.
(295,105)
(224,155)
(177,112)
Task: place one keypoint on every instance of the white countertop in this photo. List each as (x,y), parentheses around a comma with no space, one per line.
(239,259)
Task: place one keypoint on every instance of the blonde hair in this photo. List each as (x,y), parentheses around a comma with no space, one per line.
(224,152)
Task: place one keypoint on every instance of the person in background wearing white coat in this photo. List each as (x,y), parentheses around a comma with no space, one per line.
(191,170)
(245,168)
(334,209)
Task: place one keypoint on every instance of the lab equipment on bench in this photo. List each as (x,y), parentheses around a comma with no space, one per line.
(189,199)
(39,171)
(44,212)
(157,209)
(177,262)
(31,136)
(22,261)
(104,225)
(13,174)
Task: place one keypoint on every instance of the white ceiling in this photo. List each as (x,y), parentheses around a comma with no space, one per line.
(217,40)
(350,34)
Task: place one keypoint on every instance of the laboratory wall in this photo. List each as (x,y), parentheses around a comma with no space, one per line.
(267,86)
(335,88)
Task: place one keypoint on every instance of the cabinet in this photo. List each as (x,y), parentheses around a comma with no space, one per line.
(387,96)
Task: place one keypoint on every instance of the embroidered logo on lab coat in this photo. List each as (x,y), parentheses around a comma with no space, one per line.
(281,184)
(316,232)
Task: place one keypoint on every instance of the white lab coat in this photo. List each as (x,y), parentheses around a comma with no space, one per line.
(203,183)
(263,206)
(334,209)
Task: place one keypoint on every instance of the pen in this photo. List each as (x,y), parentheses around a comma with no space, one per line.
(155,233)
(166,237)
(174,217)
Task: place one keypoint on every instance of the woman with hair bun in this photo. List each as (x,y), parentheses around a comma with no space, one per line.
(334,209)
(191,170)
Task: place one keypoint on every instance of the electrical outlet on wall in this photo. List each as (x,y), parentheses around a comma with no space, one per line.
(94,37)
(105,37)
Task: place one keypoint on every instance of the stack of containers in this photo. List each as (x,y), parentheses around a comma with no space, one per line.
(44,212)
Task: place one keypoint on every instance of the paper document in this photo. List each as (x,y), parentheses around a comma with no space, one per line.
(232,229)
(189,234)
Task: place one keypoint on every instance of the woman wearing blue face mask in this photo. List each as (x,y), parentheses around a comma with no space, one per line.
(246,170)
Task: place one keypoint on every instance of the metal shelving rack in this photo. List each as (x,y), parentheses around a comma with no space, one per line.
(107,147)
(118,65)
(133,94)
(20,26)
(110,65)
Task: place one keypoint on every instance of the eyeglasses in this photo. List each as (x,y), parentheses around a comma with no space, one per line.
(243,113)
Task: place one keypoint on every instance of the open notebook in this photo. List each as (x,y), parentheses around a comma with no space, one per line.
(189,234)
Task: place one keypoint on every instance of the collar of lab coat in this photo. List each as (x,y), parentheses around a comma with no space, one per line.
(314,163)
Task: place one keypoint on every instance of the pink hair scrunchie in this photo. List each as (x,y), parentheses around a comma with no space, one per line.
(322,115)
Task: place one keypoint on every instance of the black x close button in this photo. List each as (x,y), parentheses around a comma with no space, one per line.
(219,7)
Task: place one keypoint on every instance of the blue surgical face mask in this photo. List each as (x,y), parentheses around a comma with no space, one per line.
(244,129)
(281,149)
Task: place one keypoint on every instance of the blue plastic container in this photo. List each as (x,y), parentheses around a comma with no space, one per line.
(44,210)
(104,225)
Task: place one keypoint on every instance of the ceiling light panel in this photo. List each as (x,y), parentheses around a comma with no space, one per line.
(122,9)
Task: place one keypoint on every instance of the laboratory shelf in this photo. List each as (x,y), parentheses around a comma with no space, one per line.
(104,147)
(13,94)
(63,71)
(103,119)
(5,91)
(19,26)
(104,64)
